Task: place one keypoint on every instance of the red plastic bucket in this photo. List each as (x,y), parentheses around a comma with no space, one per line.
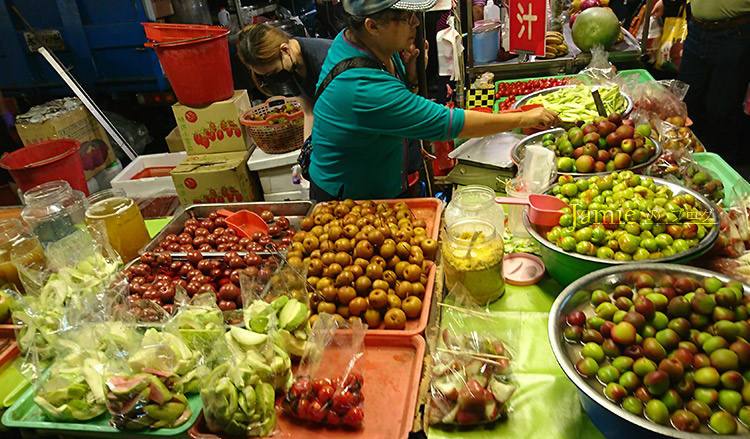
(195,59)
(46,161)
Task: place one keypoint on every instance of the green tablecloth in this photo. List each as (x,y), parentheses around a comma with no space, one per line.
(546,403)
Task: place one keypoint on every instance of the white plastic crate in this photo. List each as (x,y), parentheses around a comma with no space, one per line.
(274,171)
(148,185)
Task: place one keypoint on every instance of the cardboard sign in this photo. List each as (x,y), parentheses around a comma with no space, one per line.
(528,26)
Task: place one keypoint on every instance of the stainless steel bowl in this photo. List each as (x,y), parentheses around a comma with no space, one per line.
(518,151)
(525,100)
(566,267)
(613,421)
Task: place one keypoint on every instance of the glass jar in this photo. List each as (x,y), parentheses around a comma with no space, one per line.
(54,210)
(18,247)
(122,221)
(475,202)
(474,269)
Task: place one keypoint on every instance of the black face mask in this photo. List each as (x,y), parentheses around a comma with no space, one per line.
(281,83)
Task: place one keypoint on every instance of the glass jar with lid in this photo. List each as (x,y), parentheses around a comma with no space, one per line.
(473,254)
(122,220)
(54,210)
(475,202)
(18,247)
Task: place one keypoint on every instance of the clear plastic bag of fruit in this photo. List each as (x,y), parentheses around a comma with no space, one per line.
(328,387)
(235,400)
(677,136)
(278,301)
(664,100)
(599,71)
(679,166)
(471,370)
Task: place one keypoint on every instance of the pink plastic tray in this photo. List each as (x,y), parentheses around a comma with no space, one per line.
(392,371)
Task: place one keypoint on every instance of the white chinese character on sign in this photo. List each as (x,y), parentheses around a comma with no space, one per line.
(525,18)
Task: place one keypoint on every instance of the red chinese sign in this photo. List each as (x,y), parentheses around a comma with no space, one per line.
(528,26)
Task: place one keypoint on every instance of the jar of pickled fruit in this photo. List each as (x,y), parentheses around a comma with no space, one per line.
(121,219)
(473,252)
(475,202)
(54,210)
(18,248)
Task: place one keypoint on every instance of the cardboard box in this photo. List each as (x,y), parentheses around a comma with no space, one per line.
(214,128)
(149,175)
(216,178)
(174,141)
(162,8)
(67,118)
(274,171)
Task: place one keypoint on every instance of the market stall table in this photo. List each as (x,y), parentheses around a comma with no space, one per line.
(546,402)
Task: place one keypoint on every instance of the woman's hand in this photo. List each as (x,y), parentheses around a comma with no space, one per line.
(538,117)
(409,58)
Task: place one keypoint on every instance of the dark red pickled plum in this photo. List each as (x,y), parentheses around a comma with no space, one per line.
(644,306)
(633,351)
(672,367)
(576,318)
(656,382)
(635,319)
(606,329)
(592,335)
(685,420)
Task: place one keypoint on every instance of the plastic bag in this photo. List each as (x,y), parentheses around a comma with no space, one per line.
(678,137)
(470,380)
(673,35)
(599,70)
(662,99)
(328,386)
(487,80)
(679,166)
(279,303)
(71,387)
(159,204)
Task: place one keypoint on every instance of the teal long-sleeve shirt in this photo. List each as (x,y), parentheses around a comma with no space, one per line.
(361,122)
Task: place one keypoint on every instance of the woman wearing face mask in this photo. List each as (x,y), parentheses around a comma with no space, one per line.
(281,65)
(364,114)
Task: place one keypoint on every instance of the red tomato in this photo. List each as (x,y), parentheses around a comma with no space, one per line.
(343,400)
(354,417)
(301,388)
(303,409)
(332,418)
(316,412)
(325,394)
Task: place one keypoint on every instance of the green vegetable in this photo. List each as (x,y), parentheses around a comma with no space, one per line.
(293,315)
(576,102)
(157,405)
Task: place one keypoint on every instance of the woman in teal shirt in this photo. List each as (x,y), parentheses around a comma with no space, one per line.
(364,115)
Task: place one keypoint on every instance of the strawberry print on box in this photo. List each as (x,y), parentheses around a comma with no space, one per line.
(213,128)
(216,178)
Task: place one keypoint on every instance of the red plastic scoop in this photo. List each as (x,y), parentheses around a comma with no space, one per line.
(544,210)
(244,222)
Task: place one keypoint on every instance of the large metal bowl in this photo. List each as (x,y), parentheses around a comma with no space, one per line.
(519,150)
(566,267)
(613,421)
(525,100)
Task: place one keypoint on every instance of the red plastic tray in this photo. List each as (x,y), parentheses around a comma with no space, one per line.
(430,210)
(157,171)
(392,371)
(7,330)
(8,352)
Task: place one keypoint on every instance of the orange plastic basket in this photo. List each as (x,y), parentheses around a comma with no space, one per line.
(279,133)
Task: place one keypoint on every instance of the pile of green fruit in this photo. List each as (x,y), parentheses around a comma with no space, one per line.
(670,348)
(605,144)
(624,216)
(575,102)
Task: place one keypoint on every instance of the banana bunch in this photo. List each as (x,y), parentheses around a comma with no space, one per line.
(555,45)
(620,37)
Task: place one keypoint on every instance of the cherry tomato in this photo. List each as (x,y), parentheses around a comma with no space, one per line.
(325,394)
(316,412)
(354,417)
(301,388)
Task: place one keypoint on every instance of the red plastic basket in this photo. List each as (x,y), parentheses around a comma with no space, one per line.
(285,134)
